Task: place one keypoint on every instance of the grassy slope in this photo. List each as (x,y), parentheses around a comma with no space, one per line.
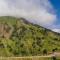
(27,39)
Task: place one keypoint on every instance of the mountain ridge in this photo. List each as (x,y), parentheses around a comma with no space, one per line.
(26,21)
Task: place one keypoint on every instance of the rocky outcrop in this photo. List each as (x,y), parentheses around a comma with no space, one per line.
(5,30)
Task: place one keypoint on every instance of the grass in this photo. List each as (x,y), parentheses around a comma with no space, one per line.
(9,20)
(29,58)
(25,58)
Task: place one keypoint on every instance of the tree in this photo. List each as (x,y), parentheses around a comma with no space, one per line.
(39,41)
(54,58)
(54,50)
(45,51)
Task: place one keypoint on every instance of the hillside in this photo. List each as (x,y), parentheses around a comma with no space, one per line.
(18,37)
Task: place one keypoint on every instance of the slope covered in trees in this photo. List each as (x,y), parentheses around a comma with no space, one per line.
(18,37)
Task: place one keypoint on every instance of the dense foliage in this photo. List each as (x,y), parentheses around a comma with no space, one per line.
(18,37)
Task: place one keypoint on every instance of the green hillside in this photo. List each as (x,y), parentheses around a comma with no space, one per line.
(18,37)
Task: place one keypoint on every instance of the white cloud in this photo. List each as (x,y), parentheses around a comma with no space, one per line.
(56,30)
(36,11)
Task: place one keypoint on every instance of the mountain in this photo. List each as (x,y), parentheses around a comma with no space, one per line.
(18,37)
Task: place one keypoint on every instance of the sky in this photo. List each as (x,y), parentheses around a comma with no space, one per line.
(56,5)
(45,13)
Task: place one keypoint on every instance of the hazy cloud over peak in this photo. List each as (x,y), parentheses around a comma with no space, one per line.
(36,11)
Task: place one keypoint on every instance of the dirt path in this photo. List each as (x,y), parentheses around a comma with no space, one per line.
(32,57)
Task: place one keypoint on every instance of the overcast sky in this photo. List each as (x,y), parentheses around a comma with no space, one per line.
(41,12)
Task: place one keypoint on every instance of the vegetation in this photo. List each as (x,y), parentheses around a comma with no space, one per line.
(37,58)
(18,37)
(30,58)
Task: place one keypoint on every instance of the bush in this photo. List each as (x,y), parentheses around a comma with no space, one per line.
(45,52)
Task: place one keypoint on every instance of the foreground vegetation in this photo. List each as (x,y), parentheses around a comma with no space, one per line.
(29,58)
(25,59)
(18,37)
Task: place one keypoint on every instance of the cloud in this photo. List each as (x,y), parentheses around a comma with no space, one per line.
(36,11)
(56,30)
